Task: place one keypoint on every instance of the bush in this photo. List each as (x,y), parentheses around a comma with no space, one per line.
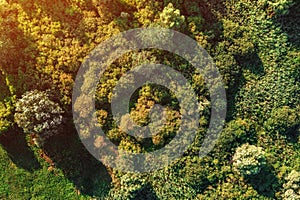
(249,159)
(169,183)
(37,114)
(292,187)
(170,17)
(7,101)
(236,132)
(130,186)
(5,112)
(283,120)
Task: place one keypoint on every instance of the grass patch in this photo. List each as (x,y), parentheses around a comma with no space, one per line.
(62,171)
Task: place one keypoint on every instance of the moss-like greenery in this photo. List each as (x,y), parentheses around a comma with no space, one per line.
(255,45)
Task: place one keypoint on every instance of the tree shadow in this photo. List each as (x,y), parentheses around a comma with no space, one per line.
(212,24)
(290,23)
(251,62)
(254,65)
(232,94)
(292,134)
(15,144)
(265,183)
(145,193)
(67,153)
(209,9)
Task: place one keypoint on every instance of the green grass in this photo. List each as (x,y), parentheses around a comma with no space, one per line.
(25,174)
(18,183)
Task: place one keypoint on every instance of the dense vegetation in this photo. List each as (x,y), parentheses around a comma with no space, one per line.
(255,45)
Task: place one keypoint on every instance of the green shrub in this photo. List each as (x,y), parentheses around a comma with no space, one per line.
(236,132)
(168,183)
(129,187)
(230,190)
(7,101)
(5,113)
(249,159)
(282,120)
(170,17)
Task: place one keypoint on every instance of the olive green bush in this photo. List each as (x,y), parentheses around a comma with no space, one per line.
(169,183)
(283,120)
(236,133)
(5,113)
(7,101)
(129,186)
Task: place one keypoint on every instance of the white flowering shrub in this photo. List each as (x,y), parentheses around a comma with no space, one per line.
(292,186)
(37,114)
(249,159)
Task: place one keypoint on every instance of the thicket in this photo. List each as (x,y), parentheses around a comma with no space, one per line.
(253,43)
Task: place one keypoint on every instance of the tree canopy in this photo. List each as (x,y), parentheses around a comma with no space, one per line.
(254,44)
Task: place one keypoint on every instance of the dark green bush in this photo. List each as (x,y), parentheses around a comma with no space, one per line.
(283,120)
